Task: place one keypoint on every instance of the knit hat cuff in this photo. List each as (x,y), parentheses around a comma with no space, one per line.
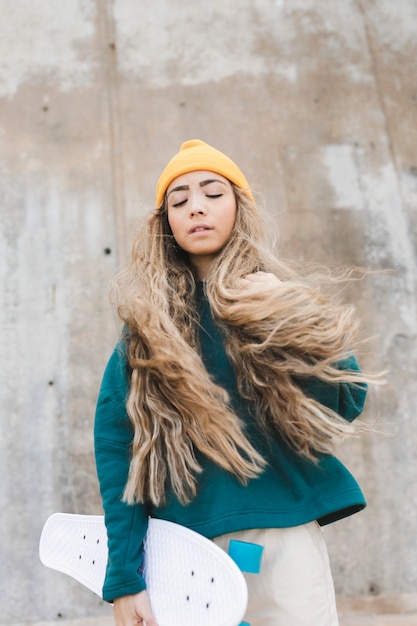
(197,155)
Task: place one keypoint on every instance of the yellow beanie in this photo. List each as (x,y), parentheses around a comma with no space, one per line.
(197,155)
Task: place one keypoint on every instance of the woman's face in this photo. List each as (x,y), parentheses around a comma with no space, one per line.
(201,214)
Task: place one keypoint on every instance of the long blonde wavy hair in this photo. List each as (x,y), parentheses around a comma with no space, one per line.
(273,338)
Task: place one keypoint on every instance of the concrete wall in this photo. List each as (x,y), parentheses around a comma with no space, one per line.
(317,102)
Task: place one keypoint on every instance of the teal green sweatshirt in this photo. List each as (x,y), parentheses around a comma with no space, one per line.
(291,490)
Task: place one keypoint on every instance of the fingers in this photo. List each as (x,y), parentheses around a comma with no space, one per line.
(146,611)
(260,280)
(134,610)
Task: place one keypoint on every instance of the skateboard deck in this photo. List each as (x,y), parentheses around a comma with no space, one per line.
(190,580)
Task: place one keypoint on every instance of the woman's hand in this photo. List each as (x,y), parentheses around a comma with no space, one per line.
(134,610)
(259,282)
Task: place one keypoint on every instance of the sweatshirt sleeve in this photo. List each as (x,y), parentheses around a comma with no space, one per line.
(126,524)
(351,395)
(346,399)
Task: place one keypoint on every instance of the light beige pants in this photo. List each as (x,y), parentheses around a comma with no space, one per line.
(294,586)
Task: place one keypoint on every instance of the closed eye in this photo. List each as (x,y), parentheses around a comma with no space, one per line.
(208,195)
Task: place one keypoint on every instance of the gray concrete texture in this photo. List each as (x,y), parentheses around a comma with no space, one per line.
(317,102)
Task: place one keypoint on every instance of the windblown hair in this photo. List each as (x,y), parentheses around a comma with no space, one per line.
(275,338)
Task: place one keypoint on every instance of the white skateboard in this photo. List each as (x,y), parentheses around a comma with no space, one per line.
(190,580)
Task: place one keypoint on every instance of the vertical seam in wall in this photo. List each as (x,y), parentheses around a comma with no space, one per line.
(380,95)
(391,148)
(381,99)
(114,124)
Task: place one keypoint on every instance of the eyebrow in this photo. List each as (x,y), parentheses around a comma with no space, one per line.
(203,183)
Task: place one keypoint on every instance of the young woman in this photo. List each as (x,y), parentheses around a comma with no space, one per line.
(232,380)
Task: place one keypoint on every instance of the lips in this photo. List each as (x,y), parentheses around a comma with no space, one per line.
(199,228)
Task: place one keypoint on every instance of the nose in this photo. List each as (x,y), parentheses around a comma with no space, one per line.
(197,206)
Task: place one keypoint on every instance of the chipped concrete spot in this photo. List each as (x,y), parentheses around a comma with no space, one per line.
(358,74)
(289,71)
(343,176)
